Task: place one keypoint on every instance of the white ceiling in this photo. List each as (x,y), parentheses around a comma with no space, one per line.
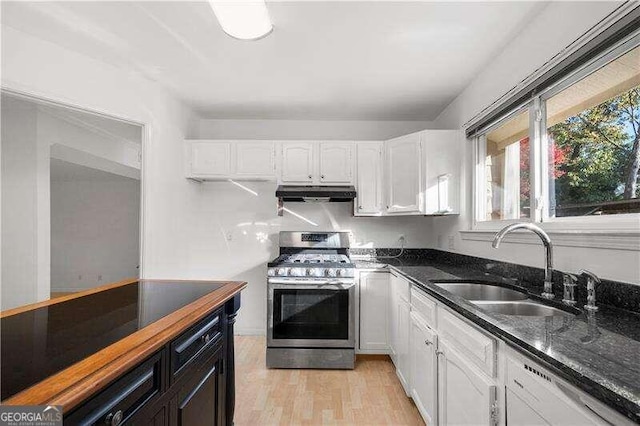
(366,60)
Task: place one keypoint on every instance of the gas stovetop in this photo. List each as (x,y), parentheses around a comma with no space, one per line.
(328,263)
(312,258)
(312,255)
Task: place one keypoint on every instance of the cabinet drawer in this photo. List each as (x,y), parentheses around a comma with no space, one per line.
(400,286)
(474,345)
(201,337)
(424,306)
(124,398)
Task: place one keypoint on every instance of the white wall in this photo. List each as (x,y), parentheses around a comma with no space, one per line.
(306,129)
(80,145)
(232,234)
(25,206)
(547,35)
(95,232)
(47,70)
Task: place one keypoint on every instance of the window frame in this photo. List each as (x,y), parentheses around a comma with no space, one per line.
(598,225)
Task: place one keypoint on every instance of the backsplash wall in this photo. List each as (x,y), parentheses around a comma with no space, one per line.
(231,232)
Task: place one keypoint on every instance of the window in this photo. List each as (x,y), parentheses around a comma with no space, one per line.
(593,131)
(577,156)
(506,170)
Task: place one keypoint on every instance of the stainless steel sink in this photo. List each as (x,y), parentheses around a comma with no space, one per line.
(477,291)
(525,308)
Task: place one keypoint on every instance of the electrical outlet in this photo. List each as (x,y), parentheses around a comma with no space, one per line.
(440,243)
(100,277)
(452,242)
(79,277)
(402,238)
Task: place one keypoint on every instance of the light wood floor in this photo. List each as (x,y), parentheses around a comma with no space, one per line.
(368,395)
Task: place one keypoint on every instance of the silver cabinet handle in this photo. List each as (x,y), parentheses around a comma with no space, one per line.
(310,176)
(114,419)
(322,176)
(206,338)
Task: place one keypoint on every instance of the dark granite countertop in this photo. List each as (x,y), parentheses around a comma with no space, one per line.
(598,353)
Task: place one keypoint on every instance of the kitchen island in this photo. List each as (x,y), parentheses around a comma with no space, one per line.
(136,351)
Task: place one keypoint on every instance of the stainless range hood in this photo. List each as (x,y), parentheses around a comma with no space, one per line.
(313,194)
(316,193)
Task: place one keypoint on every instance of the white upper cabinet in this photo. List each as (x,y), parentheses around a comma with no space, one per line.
(255,159)
(443,163)
(298,162)
(423,173)
(369,178)
(318,163)
(336,162)
(404,175)
(415,174)
(209,158)
(221,159)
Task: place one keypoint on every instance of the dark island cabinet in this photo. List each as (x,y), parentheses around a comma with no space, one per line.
(190,381)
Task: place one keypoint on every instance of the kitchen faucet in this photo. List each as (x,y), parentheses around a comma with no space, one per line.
(546,241)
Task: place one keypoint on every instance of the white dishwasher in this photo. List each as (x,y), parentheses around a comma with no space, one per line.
(535,397)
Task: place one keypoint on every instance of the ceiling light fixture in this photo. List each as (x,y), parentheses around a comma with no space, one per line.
(243,19)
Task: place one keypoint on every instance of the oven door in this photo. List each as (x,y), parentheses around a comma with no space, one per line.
(311,314)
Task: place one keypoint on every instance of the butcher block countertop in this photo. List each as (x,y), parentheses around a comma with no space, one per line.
(63,350)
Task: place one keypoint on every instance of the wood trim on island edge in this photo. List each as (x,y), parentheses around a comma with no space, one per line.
(82,380)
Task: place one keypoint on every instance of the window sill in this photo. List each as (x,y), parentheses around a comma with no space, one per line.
(603,239)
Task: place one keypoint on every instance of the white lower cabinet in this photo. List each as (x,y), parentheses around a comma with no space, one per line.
(402,352)
(399,311)
(374,307)
(466,396)
(449,367)
(424,368)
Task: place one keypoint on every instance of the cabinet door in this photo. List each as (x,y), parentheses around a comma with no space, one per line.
(255,160)
(210,158)
(443,158)
(403,366)
(404,175)
(200,397)
(336,162)
(424,374)
(393,322)
(374,300)
(369,179)
(297,162)
(465,395)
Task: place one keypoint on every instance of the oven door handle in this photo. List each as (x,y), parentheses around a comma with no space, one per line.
(338,285)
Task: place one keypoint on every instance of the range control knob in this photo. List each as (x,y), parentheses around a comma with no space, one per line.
(281,271)
(339,273)
(330,272)
(309,272)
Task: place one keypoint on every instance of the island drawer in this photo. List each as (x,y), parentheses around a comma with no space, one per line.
(199,338)
(123,399)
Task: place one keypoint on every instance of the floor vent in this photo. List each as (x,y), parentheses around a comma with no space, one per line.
(537,373)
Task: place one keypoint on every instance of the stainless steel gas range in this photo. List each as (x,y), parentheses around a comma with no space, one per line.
(311,302)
